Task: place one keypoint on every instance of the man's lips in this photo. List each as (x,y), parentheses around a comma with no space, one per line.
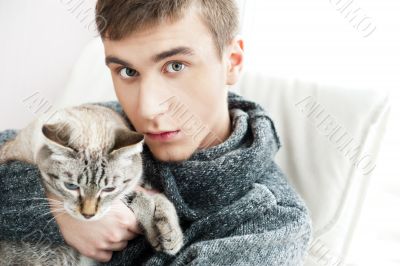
(162,135)
(160,132)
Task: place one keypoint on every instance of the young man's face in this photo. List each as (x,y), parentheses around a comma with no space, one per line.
(170,78)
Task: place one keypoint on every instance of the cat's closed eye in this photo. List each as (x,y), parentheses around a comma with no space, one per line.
(71,186)
(108,189)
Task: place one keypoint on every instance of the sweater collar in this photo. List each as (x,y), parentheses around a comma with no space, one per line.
(217,176)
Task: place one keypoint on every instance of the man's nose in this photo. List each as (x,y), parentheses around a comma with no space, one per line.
(153,98)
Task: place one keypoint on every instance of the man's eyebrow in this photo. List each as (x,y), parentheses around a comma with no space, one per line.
(174,51)
(156,58)
(112,59)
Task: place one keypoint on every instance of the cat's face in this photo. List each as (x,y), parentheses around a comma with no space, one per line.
(88,182)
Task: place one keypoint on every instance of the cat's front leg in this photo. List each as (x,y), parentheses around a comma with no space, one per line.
(166,221)
(158,219)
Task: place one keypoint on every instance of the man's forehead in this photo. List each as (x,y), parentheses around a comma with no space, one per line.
(188,36)
(189,30)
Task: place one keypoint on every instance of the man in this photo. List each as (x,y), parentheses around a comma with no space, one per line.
(210,151)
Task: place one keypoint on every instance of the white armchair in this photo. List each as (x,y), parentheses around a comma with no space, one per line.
(330,142)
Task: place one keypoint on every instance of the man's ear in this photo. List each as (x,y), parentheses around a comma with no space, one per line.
(235,58)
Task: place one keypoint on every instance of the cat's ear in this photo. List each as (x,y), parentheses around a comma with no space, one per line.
(127,143)
(57,137)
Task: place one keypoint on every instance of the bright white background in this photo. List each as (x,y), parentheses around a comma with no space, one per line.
(306,39)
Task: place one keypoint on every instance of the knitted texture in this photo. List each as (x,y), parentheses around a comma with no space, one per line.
(234,202)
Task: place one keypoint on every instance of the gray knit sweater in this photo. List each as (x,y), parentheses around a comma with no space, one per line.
(234,202)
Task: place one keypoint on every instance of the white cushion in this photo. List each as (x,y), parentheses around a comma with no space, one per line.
(332,185)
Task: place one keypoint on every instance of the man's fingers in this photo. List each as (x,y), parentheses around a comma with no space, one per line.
(132,224)
(129,235)
(135,228)
(118,246)
(103,256)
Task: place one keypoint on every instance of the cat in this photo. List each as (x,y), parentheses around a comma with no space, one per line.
(83,152)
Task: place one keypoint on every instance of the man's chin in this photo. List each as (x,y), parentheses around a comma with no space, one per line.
(172,155)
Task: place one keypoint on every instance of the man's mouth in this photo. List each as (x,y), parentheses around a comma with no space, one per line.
(163,135)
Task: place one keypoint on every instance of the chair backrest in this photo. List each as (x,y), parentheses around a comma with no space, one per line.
(330,141)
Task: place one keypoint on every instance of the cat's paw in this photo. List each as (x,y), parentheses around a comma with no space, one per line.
(169,236)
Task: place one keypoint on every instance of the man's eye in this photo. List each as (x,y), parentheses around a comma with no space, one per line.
(127,72)
(175,67)
(71,186)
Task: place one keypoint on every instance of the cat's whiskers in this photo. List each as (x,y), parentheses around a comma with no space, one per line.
(46,201)
(45,205)
(53,212)
(49,212)
(55,216)
(40,199)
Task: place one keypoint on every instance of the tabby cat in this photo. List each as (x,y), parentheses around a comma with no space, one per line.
(88,156)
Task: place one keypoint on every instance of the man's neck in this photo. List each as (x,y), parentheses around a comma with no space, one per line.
(220,133)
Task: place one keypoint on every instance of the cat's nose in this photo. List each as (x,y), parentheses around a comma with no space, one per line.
(88,207)
(87,216)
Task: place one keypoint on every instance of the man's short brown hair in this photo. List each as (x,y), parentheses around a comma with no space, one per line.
(117,19)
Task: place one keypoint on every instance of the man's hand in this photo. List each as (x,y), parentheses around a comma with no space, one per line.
(98,239)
